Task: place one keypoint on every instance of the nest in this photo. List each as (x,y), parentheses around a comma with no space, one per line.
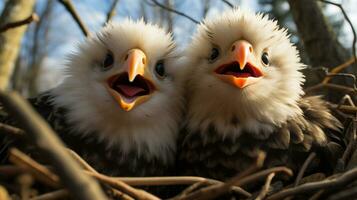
(69,175)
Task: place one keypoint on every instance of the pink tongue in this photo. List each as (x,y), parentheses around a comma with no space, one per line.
(237,74)
(130,91)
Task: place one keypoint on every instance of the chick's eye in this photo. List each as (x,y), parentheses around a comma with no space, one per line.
(108,62)
(160,68)
(265,58)
(214,54)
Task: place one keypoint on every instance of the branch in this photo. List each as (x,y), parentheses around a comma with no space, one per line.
(228,3)
(37,170)
(32,18)
(136,193)
(111,11)
(336,87)
(266,187)
(304,167)
(70,8)
(11,130)
(350,23)
(58,194)
(341,181)
(80,185)
(339,68)
(174,11)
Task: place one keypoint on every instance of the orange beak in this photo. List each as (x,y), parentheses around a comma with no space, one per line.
(241,72)
(131,87)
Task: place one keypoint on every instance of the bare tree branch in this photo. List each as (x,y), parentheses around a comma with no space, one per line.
(79,184)
(70,8)
(32,18)
(111,12)
(228,3)
(350,23)
(343,180)
(174,11)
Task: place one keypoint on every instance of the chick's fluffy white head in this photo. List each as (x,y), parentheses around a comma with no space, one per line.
(258,107)
(149,128)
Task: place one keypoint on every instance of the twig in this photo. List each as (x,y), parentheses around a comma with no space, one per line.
(344,194)
(58,194)
(174,11)
(343,180)
(339,68)
(216,190)
(265,188)
(37,170)
(11,130)
(112,11)
(349,22)
(341,88)
(344,108)
(32,18)
(317,195)
(82,162)
(40,133)
(70,8)
(10,170)
(304,167)
(136,193)
(228,3)
(350,147)
(212,192)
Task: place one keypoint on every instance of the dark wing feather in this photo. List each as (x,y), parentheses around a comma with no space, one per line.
(208,154)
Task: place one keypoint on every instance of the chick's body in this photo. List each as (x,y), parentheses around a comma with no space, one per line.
(244,96)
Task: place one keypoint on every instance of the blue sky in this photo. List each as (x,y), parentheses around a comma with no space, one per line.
(66,34)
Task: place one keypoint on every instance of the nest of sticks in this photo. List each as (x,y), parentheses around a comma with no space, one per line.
(69,176)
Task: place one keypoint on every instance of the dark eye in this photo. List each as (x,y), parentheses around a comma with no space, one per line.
(214,54)
(265,58)
(108,62)
(160,68)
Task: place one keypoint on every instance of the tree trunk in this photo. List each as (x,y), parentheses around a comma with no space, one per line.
(10,40)
(319,40)
(320,44)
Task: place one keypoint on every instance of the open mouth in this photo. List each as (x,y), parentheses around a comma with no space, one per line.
(130,90)
(233,69)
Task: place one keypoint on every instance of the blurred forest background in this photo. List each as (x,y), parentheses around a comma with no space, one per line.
(325,41)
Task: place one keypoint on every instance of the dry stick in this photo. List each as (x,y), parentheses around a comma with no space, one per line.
(11,130)
(80,185)
(81,161)
(111,11)
(87,167)
(265,188)
(339,68)
(343,180)
(174,11)
(344,194)
(341,88)
(228,3)
(317,195)
(350,147)
(32,18)
(304,167)
(58,194)
(70,8)
(10,170)
(37,170)
(136,193)
(344,108)
(216,190)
